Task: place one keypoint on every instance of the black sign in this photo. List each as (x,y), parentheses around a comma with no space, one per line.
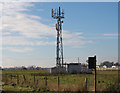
(92,62)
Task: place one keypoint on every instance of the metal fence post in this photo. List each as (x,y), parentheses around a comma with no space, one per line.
(58,82)
(34,78)
(46,81)
(86,84)
(17,79)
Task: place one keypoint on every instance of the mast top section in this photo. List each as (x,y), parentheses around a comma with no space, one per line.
(57,13)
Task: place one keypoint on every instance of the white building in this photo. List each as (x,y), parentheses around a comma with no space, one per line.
(104,66)
(58,70)
(74,67)
(97,66)
(113,66)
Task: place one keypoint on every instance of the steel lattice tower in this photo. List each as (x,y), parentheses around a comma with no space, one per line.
(58,14)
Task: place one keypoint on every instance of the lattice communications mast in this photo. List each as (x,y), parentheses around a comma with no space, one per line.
(58,14)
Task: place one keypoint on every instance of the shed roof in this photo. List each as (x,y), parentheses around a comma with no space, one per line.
(73,63)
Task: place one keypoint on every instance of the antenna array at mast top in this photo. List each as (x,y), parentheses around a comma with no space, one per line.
(57,13)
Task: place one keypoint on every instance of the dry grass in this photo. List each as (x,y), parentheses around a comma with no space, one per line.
(74,82)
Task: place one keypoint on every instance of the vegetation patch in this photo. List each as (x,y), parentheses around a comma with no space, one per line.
(40,81)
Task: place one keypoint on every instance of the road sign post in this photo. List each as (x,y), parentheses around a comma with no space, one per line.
(92,65)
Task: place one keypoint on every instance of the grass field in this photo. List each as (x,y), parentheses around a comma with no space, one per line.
(35,80)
